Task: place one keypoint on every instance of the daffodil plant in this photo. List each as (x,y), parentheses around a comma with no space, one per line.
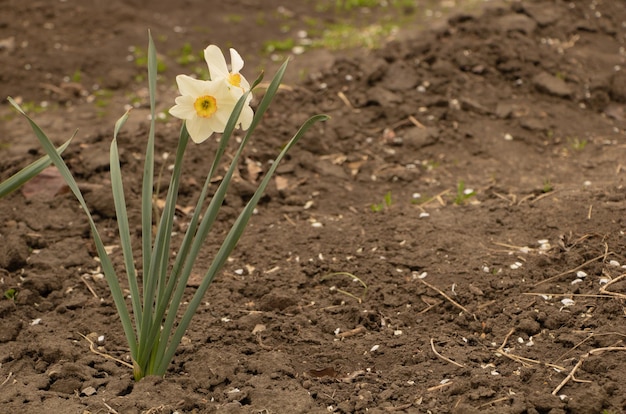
(221,104)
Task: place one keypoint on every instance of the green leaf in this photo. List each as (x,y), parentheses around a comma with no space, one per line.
(107,265)
(30,171)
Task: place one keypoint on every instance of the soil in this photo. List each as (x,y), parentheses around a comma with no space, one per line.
(471,177)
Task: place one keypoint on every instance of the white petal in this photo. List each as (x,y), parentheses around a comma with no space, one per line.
(216,62)
(236,62)
(184,108)
(246,117)
(190,86)
(199,129)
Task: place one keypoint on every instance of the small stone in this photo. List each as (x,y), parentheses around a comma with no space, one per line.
(88,391)
(552,85)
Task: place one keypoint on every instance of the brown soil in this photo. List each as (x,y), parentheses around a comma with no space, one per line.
(473,304)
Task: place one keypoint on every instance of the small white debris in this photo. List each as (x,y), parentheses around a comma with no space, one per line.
(374,348)
(587,183)
(530,342)
(468,191)
(397,332)
(225,319)
(516,265)
(494,372)
(424,214)
(308,205)
(604,281)
(546,297)
(233,391)
(410,382)
(35,322)
(520,340)
(581,275)
(239,272)
(576,281)
(416,196)
(444,381)
(486,269)
(336,331)
(89,391)
(317,224)
(614,263)
(567,302)
(100,340)
(508,137)
(563,397)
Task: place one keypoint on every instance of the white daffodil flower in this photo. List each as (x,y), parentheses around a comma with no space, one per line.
(219,70)
(206,107)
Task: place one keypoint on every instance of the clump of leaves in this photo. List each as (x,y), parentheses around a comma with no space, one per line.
(381,206)
(463,194)
(10,294)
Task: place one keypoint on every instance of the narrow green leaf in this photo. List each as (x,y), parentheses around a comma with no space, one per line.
(122,222)
(107,265)
(149,282)
(30,171)
(148,174)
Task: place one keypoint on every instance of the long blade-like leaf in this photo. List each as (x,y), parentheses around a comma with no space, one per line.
(107,265)
(122,222)
(30,171)
(148,172)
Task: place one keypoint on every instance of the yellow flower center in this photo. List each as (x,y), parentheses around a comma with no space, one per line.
(205,106)
(234,79)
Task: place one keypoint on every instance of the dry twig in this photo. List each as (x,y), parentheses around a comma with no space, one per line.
(582,359)
(93,349)
(448,298)
(432,345)
(574,270)
(522,360)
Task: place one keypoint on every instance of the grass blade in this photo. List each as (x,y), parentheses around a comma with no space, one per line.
(107,265)
(30,171)
(122,222)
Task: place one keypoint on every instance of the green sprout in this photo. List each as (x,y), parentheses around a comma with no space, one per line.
(381,206)
(76,76)
(577,144)
(233,18)
(10,294)
(271,46)
(547,186)
(463,194)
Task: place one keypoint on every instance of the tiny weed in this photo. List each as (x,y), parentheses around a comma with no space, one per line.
(381,206)
(463,194)
(76,76)
(10,294)
(271,46)
(186,55)
(233,18)
(577,144)
(547,186)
